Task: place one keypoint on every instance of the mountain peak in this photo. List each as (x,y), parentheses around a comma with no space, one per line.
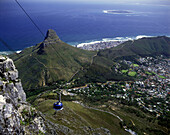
(51,35)
(51,38)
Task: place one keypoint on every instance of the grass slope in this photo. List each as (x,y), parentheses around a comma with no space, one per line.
(141,47)
(53,60)
(50,61)
(138,120)
(81,119)
(76,117)
(102,68)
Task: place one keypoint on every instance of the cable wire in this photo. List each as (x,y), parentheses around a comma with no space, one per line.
(38,30)
(30,18)
(7,46)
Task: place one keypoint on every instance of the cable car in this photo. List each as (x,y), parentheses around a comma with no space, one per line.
(58,105)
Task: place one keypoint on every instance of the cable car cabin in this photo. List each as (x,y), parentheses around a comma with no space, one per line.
(58,106)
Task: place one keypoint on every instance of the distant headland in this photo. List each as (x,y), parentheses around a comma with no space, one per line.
(117,11)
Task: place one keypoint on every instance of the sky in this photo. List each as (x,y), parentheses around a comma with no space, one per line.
(161,2)
(109,1)
(133,2)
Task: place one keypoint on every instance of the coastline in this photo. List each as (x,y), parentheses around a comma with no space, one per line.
(107,42)
(121,39)
(118,11)
(9,52)
(95,44)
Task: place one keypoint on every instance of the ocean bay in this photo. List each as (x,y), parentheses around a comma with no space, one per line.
(79,23)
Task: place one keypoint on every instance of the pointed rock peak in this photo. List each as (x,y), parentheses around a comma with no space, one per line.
(51,38)
(51,35)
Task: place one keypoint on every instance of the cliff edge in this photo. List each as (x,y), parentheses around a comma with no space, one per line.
(16,115)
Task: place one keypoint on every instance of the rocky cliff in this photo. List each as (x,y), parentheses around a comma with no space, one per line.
(16,115)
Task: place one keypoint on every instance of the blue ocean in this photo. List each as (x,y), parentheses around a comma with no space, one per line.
(77,23)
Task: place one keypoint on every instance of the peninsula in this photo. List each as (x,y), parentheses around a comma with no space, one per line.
(117,11)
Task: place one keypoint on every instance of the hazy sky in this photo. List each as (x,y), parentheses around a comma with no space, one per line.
(109,1)
(144,2)
(103,1)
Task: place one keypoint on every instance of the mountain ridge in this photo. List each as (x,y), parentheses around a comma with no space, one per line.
(102,69)
(144,46)
(50,61)
(53,60)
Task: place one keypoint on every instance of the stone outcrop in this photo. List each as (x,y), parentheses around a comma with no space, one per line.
(16,115)
(51,36)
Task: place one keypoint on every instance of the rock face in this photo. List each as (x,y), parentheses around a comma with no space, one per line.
(16,116)
(51,35)
(51,38)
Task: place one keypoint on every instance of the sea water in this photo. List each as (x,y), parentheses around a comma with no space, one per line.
(77,23)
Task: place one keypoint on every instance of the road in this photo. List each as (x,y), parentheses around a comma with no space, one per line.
(125,128)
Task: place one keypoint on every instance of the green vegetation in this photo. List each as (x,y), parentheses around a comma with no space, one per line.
(22,123)
(163,77)
(76,116)
(138,121)
(135,65)
(43,65)
(154,73)
(149,73)
(3,79)
(48,62)
(141,47)
(100,71)
(79,116)
(131,73)
(124,71)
